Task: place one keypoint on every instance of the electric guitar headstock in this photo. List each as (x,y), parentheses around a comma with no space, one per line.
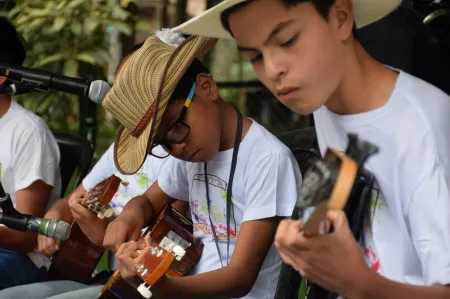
(99,197)
(328,183)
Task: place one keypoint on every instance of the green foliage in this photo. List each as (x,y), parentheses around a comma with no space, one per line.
(67,37)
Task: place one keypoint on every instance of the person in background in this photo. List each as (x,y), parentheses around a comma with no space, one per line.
(29,171)
(69,209)
(307,53)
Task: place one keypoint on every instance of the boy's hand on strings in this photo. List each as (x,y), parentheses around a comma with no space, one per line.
(123,229)
(333,261)
(125,256)
(92,226)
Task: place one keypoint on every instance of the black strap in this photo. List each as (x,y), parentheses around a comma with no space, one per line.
(237,142)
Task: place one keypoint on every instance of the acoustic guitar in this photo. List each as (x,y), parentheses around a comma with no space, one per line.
(78,256)
(173,252)
(329,183)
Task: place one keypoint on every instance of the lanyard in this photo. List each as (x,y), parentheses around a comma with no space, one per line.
(237,142)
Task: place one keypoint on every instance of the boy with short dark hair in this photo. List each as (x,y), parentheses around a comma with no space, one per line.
(306,53)
(239,178)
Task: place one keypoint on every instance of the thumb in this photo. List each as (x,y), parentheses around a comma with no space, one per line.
(338,219)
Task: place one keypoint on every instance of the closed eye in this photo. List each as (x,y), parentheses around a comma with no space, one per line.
(256,58)
(290,42)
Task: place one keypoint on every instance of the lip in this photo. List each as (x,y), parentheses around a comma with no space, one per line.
(285,94)
(193,155)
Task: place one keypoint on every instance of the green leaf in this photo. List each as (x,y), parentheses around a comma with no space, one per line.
(125,3)
(58,24)
(38,13)
(71,68)
(76,28)
(86,57)
(48,59)
(75,3)
(90,24)
(61,5)
(123,27)
(120,13)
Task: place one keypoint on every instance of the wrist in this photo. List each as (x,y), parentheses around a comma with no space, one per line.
(366,285)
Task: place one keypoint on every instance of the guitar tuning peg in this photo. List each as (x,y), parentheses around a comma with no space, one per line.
(144,290)
(435,14)
(108,213)
(101,215)
(179,252)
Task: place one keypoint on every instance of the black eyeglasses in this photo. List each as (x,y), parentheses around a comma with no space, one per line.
(177,132)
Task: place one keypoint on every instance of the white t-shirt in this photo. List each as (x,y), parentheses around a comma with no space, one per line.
(138,183)
(29,152)
(266,183)
(409,239)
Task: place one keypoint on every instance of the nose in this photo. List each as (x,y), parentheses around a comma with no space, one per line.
(177,149)
(274,66)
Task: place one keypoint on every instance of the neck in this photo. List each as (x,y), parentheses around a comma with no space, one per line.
(366,84)
(5,103)
(228,117)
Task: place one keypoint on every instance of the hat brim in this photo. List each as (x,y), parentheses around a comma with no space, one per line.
(131,151)
(209,22)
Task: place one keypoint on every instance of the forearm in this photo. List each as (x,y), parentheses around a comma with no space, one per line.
(139,208)
(94,231)
(16,240)
(378,287)
(227,282)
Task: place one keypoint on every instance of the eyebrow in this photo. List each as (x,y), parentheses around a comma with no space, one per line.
(270,37)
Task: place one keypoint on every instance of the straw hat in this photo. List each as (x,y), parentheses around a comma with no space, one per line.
(209,22)
(141,92)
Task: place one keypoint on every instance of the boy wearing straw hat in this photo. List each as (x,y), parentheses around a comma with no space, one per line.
(305,52)
(239,178)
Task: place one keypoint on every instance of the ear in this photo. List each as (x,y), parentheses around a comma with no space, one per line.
(3,80)
(207,87)
(342,19)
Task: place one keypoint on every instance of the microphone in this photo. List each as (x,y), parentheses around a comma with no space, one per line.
(52,228)
(44,80)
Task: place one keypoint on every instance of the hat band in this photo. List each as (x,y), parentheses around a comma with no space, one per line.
(144,122)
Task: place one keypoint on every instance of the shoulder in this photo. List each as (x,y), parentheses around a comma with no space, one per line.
(424,118)
(264,150)
(26,122)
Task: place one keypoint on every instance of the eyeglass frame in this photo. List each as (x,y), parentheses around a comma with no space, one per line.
(180,121)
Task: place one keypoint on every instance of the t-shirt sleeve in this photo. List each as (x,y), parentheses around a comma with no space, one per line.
(36,158)
(173,179)
(272,186)
(103,169)
(428,219)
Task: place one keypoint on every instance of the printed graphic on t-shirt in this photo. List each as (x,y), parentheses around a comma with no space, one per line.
(217,188)
(137,185)
(377,204)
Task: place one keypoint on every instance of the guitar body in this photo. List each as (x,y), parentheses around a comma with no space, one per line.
(78,256)
(169,229)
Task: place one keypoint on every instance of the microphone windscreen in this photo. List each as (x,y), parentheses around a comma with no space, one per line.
(98,91)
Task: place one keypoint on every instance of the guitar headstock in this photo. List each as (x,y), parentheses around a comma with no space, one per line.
(99,197)
(153,262)
(328,183)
